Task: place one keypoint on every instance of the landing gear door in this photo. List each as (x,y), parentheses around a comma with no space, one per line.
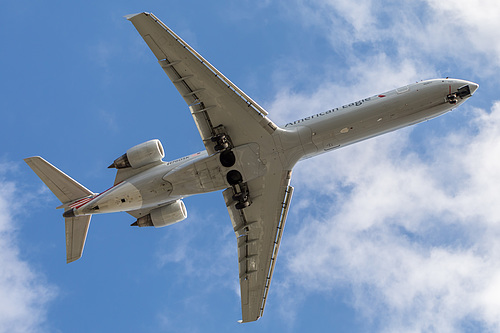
(464,91)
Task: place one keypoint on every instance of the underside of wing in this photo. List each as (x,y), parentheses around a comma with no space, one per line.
(217,105)
(258,230)
(250,147)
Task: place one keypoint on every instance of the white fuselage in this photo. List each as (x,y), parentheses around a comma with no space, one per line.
(303,138)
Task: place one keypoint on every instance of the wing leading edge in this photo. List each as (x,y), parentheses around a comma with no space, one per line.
(220,107)
(212,99)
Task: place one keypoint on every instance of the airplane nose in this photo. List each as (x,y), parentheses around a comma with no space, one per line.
(473,87)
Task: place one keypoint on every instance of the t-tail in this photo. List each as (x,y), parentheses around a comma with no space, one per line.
(68,191)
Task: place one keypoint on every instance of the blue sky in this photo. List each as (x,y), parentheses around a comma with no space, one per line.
(395,234)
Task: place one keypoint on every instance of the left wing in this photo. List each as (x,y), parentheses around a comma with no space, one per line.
(212,99)
(258,230)
(221,110)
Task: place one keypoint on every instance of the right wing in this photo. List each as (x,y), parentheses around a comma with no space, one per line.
(258,230)
(211,97)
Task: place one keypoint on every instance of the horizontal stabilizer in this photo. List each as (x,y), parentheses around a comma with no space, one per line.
(64,187)
(76,233)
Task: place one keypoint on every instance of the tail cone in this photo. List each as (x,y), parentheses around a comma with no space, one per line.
(69,213)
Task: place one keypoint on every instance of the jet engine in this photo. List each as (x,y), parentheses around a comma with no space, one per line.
(140,155)
(163,216)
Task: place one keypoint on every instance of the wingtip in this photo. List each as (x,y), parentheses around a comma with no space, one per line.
(31,158)
(72,259)
(130,16)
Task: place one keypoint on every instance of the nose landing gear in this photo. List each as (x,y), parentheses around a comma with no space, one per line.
(461,93)
(452,98)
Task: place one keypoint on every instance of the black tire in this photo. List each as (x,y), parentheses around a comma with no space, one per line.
(221,146)
(218,137)
(242,205)
(240,197)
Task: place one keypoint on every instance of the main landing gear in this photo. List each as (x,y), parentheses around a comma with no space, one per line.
(227,158)
(221,142)
(240,189)
(221,139)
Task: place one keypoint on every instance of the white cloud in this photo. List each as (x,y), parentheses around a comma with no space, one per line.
(203,269)
(462,31)
(413,235)
(409,236)
(178,248)
(373,75)
(23,293)
(475,21)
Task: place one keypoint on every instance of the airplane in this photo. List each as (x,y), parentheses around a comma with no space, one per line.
(247,157)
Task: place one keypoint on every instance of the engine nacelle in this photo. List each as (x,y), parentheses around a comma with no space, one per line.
(163,216)
(140,155)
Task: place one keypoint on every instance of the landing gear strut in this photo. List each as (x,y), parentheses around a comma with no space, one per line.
(452,98)
(241,195)
(221,142)
(221,139)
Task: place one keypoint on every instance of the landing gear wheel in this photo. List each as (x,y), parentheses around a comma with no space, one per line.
(218,137)
(241,205)
(240,191)
(221,146)
(240,196)
(222,142)
(452,98)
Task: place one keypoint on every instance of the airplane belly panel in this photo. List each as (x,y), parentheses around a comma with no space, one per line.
(209,174)
(120,198)
(383,114)
(248,161)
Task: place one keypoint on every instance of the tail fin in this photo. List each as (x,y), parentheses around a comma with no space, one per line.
(76,233)
(67,190)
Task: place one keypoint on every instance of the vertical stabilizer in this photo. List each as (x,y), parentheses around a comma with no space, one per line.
(76,233)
